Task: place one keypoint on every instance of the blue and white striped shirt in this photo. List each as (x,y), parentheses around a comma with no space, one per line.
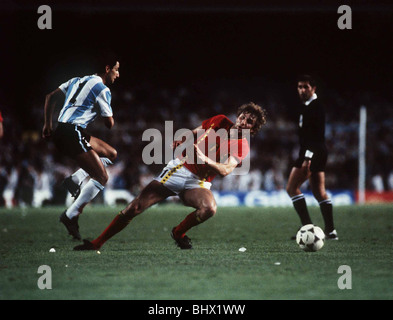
(85,98)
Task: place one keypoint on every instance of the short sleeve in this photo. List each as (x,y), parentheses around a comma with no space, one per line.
(104,102)
(64,86)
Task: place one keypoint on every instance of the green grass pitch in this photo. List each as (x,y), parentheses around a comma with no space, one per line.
(143,263)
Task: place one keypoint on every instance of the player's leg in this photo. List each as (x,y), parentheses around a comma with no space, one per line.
(203,201)
(107,155)
(317,183)
(153,193)
(296,178)
(103,149)
(91,163)
(72,141)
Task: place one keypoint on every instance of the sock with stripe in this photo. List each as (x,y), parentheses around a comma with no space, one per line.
(299,203)
(88,193)
(190,221)
(326,207)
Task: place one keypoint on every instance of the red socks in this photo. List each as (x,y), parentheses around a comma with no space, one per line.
(117,224)
(190,221)
(121,221)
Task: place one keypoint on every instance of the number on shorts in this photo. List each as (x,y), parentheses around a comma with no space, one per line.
(163,173)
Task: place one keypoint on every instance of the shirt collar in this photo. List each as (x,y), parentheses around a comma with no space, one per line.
(313,97)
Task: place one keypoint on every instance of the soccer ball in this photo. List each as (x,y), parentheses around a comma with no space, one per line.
(310,238)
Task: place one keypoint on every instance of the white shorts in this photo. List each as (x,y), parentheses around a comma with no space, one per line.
(178,178)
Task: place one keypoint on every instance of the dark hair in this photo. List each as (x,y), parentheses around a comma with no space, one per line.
(306,78)
(104,59)
(258,111)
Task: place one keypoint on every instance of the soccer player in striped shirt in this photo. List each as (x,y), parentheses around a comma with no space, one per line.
(312,157)
(82,100)
(191,180)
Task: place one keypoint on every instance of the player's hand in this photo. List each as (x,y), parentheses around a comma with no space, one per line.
(306,165)
(47,132)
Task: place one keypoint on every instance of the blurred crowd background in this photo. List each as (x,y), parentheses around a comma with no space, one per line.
(185,62)
(30,164)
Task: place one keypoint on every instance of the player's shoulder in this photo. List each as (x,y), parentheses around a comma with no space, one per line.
(318,105)
(220,118)
(217,121)
(317,102)
(96,83)
(93,78)
(72,80)
(77,80)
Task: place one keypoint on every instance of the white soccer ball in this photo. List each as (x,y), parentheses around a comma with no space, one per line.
(310,238)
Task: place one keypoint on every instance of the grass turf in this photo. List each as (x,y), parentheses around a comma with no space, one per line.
(143,263)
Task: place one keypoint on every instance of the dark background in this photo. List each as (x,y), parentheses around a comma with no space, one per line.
(185,41)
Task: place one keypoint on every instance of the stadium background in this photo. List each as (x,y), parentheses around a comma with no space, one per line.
(188,62)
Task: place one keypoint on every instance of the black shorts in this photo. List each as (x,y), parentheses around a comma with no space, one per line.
(318,161)
(71,140)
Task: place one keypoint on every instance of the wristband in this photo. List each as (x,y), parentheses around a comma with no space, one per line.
(308,154)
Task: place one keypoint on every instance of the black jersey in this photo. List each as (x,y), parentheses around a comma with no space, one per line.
(312,126)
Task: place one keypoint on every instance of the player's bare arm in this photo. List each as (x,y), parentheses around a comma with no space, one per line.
(223,169)
(306,165)
(52,99)
(109,122)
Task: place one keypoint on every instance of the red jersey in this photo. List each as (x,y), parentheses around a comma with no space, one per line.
(223,147)
(1,118)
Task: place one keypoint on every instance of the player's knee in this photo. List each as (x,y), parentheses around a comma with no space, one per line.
(208,210)
(133,209)
(137,209)
(290,190)
(112,154)
(320,196)
(102,178)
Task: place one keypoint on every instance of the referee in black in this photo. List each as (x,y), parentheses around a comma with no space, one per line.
(312,157)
